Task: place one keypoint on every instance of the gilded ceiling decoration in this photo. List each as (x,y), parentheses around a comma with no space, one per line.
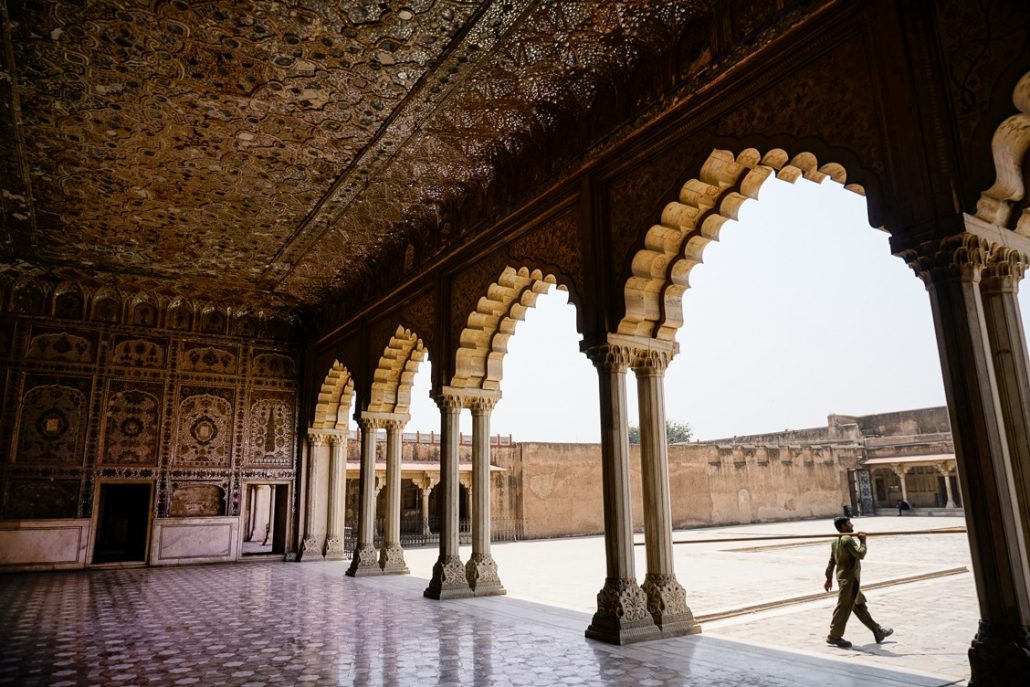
(270,153)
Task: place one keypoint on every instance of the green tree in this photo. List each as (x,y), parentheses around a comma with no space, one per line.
(675,432)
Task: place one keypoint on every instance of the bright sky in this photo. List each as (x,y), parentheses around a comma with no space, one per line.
(798,312)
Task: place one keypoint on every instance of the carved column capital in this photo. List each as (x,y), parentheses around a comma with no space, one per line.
(1005,269)
(318,438)
(392,425)
(652,363)
(370,424)
(425,482)
(480,405)
(465,479)
(448,402)
(962,256)
(339,439)
(611,357)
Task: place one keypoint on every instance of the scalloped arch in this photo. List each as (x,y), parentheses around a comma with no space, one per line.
(334,399)
(393,377)
(661,269)
(484,340)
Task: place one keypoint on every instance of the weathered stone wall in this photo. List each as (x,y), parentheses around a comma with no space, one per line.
(193,402)
(710,484)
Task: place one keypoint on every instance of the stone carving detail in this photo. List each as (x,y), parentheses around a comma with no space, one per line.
(41,498)
(131,435)
(139,353)
(333,546)
(555,244)
(208,359)
(622,601)
(420,317)
(1005,270)
(480,404)
(651,362)
(365,557)
(392,558)
(273,366)
(271,433)
(310,547)
(471,285)
(611,358)
(962,256)
(448,573)
(481,571)
(63,346)
(197,500)
(52,418)
(204,436)
(666,598)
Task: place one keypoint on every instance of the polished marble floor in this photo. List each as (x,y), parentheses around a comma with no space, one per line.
(269,623)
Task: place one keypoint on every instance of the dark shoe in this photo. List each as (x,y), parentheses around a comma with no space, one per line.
(839,642)
(882,634)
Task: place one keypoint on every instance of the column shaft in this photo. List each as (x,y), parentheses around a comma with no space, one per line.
(391,556)
(666,598)
(952,272)
(337,497)
(314,527)
(449,579)
(365,560)
(622,614)
(481,569)
(947,489)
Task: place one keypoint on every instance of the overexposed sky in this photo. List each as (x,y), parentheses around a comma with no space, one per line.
(799,311)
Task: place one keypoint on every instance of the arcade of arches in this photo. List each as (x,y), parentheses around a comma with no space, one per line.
(228,231)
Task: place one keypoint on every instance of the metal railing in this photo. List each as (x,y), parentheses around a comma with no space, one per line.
(416,532)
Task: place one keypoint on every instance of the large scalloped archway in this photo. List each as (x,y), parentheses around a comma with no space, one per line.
(484,340)
(661,270)
(334,399)
(395,374)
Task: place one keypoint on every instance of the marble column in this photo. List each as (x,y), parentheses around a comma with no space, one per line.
(902,473)
(1000,288)
(666,598)
(391,556)
(946,472)
(365,561)
(481,570)
(314,526)
(425,487)
(622,614)
(337,497)
(449,581)
(952,269)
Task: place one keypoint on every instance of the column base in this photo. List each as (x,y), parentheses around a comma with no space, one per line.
(622,616)
(334,549)
(667,604)
(364,562)
(391,560)
(998,653)
(481,573)
(449,581)
(310,550)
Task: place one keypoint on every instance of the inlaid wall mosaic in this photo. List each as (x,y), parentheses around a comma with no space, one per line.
(89,400)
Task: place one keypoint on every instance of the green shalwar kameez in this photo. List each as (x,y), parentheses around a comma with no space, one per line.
(846,554)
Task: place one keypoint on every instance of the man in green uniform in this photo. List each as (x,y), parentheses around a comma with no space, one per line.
(846,554)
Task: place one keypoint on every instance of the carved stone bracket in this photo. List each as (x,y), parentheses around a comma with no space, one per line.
(622,616)
(449,580)
(365,562)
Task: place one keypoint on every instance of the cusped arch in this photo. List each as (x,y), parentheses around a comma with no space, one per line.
(334,399)
(661,269)
(484,340)
(395,373)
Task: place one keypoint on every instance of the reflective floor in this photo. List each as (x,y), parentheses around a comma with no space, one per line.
(286,623)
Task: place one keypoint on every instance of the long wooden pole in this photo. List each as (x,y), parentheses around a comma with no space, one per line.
(943,530)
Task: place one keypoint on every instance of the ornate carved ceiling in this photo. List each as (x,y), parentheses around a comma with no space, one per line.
(271,153)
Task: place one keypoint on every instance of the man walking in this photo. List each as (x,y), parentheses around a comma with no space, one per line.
(846,554)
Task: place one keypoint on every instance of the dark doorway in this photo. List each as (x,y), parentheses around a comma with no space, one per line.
(123,525)
(265,519)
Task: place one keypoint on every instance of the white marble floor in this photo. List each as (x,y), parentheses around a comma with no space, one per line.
(262,623)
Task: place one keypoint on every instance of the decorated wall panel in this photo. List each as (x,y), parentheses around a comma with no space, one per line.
(87,399)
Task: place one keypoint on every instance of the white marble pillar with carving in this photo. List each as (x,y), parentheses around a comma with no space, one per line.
(314,525)
(666,598)
(952,269)
(425,484)
(337,496)
(391,555)
(481,568)
(366,560)
(622,614)
(448,581)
